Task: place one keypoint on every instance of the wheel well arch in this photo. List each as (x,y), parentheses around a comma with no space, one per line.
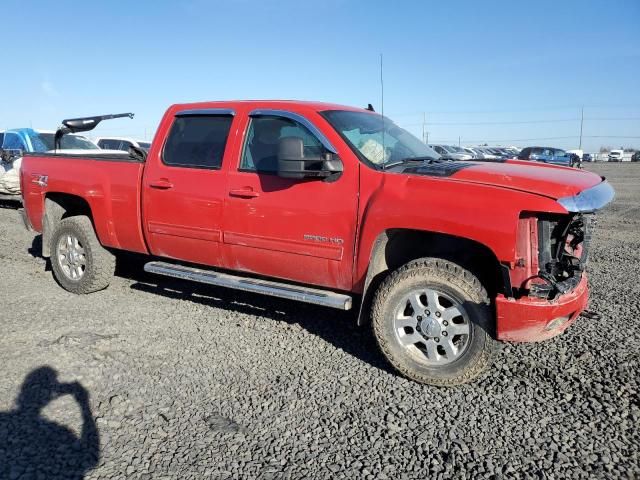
(58,206)
(396,247)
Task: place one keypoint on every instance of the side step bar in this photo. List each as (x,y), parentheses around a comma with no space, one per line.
(325,298)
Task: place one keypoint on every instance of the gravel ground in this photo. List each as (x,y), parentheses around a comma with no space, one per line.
(164,379)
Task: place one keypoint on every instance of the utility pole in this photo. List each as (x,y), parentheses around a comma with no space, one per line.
(458,140)
(424,127)
(581,123)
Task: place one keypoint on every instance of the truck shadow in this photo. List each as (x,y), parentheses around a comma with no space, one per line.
(9,203)
(32,446)
(334,326)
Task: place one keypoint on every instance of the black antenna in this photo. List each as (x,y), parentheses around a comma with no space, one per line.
(382,110)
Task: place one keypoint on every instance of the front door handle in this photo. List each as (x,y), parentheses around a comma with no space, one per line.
(162,184)
(244,193)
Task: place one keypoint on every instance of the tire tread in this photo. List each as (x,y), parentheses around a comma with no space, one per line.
(448,271)
(98,275)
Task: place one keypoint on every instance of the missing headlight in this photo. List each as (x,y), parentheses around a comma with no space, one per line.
(562,253)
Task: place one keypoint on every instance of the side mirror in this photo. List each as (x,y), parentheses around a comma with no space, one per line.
(292,162)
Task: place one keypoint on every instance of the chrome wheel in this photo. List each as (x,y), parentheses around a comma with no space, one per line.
(432,326)
(71,257)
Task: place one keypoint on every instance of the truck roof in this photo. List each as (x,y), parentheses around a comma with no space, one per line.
(274,104)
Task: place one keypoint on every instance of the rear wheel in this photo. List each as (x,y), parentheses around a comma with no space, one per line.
(80,264)
(431,319)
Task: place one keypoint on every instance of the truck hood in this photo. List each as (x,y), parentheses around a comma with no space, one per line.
(542,179)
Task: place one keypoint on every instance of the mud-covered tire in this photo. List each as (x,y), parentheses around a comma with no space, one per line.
(467,295)
(96,262)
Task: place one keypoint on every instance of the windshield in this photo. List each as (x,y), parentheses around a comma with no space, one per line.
(146,145)
(377,139)
(68,142)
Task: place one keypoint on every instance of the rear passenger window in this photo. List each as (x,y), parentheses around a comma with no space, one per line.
(197,141)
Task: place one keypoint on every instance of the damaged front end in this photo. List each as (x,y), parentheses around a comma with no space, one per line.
(563,252)
(548,282)
(551,254)
(552,250)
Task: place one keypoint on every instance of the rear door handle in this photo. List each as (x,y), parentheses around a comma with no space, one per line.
(162,184)
(244,193)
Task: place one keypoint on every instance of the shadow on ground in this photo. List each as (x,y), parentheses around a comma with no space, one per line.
(10,203)
(32,446)
(334,326)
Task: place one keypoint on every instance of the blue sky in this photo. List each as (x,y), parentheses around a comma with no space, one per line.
(480,70)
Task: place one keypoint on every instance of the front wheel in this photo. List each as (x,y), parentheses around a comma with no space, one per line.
(432,321)
(79,263)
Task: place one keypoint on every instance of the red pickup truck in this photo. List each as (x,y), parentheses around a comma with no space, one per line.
(335,206)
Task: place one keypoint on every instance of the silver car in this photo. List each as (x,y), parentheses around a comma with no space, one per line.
(449,152)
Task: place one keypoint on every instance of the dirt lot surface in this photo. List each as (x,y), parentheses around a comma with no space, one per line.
(165,379)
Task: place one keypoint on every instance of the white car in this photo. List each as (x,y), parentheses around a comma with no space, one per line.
(27,140)
(616,155)
(121,143)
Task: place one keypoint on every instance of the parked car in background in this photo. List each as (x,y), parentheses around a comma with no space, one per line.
(587,157)
(16,142)
(449,152)
(502,152)
(555,156)
(513,151)
(616,155)
(41,141)
(121,143)
(470,151)
(636,156)
(486,153)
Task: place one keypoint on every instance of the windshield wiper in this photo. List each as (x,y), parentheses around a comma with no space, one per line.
(423,159)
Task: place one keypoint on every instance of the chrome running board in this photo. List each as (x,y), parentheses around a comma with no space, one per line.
(315,296)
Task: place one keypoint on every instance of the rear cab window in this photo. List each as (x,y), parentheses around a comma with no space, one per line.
(197,141)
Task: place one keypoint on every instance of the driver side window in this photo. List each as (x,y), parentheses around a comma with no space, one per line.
(260,151)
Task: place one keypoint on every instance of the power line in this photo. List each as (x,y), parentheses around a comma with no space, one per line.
(525,122)
(483,140)
(515,122)
(516,110)
(610,136)
(507,140)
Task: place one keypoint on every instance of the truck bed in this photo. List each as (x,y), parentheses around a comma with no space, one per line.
(110,184)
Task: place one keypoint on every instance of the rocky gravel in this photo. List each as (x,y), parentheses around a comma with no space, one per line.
(155,378)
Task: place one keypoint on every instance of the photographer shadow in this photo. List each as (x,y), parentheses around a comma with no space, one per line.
(32,446)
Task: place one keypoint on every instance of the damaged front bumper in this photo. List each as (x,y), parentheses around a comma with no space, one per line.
(530,319)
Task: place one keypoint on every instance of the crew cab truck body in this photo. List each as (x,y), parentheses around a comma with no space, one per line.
(336,206)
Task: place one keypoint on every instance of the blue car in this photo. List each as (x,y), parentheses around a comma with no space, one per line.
(551,155)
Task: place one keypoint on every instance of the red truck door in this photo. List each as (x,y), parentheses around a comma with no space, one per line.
(184,186)
(301,230)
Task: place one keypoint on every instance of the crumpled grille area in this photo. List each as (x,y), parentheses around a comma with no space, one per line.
(563,246)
